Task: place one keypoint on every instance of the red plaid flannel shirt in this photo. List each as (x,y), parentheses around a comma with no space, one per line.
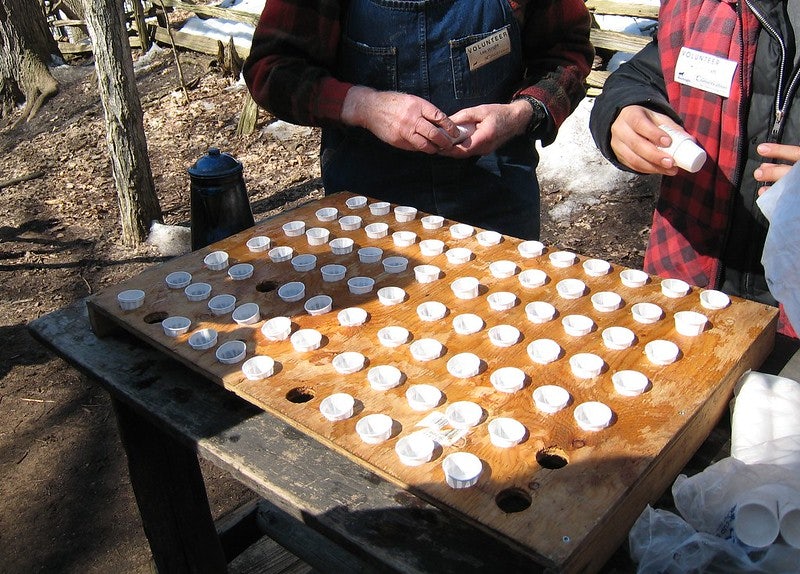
(690,223)
(290,70)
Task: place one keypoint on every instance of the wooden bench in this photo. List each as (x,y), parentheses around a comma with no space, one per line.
(607,42)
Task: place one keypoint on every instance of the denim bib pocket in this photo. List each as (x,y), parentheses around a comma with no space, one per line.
(487,80)
(374,66)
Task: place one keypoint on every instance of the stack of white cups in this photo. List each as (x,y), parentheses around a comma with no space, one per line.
(766,511)
(765,429)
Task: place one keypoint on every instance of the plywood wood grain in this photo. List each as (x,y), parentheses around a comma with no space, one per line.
(578,513)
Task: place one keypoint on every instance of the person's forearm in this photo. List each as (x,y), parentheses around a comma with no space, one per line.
(288,70)
(558,57)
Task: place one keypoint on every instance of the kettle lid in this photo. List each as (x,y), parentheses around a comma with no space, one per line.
(215,164)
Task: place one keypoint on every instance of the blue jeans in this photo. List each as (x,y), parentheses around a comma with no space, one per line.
(419,47)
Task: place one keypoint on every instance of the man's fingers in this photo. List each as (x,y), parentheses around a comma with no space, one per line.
(781,152)
(770,172)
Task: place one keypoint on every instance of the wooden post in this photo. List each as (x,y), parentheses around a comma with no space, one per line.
(171,496)
(141,27)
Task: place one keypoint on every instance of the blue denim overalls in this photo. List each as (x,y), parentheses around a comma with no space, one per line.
(419,47)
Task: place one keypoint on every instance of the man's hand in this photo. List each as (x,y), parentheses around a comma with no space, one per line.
(772,172)
(636,138)
(401,120)
(489,126)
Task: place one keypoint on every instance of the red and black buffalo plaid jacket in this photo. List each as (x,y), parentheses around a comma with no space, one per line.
(692,222)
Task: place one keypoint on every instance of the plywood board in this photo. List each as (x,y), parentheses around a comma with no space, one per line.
(564,495)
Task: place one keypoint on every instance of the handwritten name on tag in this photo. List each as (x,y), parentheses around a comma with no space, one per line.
(705,71)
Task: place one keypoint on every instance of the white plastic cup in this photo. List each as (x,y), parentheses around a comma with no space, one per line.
(178,279)
(337,407)
(503,268)
(318,304)
(426,349)
(465,287)
(360,285)
(789,514)
(258,367)
(423,397)
(352,317)
(405,213)
(550,398)
(687,154)
(247,314)
(370,254)
(231,352)
(593,416)
(426,273)
(431,247)
(384,377)
(241,271)
(350,222)
(467,324)
(374,428)
(327,213)
(432,221)
(356,202)
(216,260)
(690,323)
(379,208)
(462,469)
(258,243)
(464,414)
(348,362)
(506,432)
(176,325)
(488,238)
(531,278)
(277,328)
(756,523)
(461,230)
(317,236)
(530,249)
(341,245)
(130,299)
(415,449)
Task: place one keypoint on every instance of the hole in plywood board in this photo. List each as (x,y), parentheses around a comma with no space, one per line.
(513,500)
(552,457)
(300,395)
(155,317)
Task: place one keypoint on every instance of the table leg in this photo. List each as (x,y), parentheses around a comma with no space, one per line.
(171,496)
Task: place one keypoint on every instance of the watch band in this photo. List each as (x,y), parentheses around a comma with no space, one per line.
(538,116)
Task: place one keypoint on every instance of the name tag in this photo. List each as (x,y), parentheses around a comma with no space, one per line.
(488,49)
(705,71)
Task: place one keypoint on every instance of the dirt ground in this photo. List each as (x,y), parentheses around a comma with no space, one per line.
(66,503)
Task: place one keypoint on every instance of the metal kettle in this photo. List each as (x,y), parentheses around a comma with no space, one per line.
(219,203)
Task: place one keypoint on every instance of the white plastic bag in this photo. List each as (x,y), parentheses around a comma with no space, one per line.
(765,438)
(663,542)
(765,420)
(780,204)
(706,499)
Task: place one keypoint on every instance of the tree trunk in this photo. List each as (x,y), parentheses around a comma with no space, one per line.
(25,48)
(127,146)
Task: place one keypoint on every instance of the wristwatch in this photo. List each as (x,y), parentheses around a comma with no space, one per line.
(539,115)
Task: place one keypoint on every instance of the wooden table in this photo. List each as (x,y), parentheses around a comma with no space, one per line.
(328,510)
(334,512)
(323,506)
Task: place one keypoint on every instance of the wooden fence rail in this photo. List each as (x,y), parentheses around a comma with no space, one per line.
(605,41)
(608,42)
